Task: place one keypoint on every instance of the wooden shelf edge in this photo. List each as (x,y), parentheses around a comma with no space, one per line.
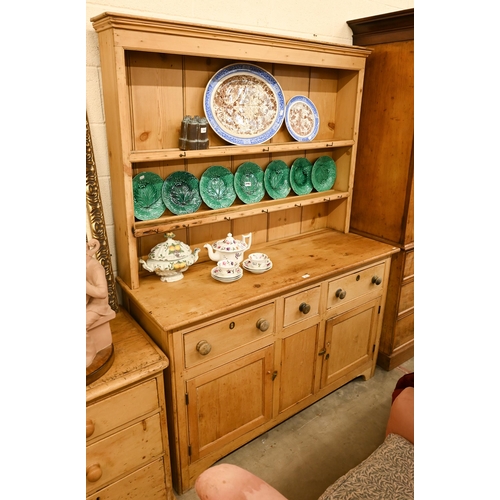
(173,154)
(174,222)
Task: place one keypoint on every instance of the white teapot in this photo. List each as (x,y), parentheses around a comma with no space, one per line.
(229,248)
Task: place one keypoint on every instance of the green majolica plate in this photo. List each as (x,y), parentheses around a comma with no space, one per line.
(217,187)
(324,173)
(147,189)
(180,193)
(277,179)
(300,176)
(152,212)
(249,182)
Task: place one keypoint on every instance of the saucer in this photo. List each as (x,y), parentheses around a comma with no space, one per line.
(247,265)
(218,274)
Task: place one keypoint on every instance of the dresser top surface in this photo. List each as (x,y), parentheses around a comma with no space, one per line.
(297,263)
(136,357)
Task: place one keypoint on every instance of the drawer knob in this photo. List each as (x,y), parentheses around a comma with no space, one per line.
(263,325)
(203,347)
(304,308)
(94,473)
(90,427)
(376,280)
(340,293)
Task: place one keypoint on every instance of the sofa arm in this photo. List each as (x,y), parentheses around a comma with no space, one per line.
(230,482)
(401,417)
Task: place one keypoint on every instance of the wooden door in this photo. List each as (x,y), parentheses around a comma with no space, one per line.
(350,341)
(298,363)
(229,401)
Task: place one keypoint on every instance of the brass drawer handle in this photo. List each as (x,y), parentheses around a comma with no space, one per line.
(263,324)
(94,473)
(304,308)
(90,427)
(203,347)
(340,293)
(376,280)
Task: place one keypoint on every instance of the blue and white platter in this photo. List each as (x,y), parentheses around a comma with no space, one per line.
(244,104)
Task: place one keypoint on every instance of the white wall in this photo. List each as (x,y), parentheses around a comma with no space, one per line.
(323,20)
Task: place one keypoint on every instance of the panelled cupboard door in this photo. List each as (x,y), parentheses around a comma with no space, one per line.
(229,401)
(350,341)
(298,363)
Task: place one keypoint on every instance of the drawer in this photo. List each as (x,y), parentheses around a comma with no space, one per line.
(404,331)
(226,335)
(148,483)
(343,290)
(123,452)
(408,267)
(406,299)
(301,306)
(124,407)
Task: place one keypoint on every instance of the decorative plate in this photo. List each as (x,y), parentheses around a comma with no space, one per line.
(277,179)
(180,193)
(147,189)
(324,173)
(244,104)
(249,182)
(300,176)
(301,118)
(217,187)
(152,212)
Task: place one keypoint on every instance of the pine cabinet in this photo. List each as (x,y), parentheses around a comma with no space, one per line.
(246,355)
(127,441)
(382,205)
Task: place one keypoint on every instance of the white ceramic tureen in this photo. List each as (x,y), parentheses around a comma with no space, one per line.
(170,259)
(229,248)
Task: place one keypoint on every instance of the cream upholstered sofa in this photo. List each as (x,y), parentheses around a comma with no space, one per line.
(387,474)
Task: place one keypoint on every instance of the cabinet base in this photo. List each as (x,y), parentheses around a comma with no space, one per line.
(389,362)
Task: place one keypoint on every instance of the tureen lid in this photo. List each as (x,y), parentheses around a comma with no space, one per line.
(229,244)
(170,249)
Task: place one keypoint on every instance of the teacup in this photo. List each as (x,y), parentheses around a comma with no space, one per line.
(258,260)
(227,267)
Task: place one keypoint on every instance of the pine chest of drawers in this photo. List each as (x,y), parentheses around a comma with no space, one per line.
(127,443)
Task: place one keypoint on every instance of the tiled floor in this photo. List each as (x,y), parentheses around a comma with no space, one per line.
(306,453)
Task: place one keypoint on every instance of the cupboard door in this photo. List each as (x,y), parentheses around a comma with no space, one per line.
(298,363)
(229,401)
(350,341)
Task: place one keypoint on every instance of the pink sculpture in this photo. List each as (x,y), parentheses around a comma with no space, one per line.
(99,312)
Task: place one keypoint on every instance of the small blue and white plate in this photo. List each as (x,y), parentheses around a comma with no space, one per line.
(301,118)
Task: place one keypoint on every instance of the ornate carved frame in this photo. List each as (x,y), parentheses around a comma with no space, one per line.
(96,224)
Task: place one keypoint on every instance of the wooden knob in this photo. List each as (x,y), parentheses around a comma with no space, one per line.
(340,293)
(376,280)
(94,473)
(304,308)
(263,324)
(90,427)
(203,347)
